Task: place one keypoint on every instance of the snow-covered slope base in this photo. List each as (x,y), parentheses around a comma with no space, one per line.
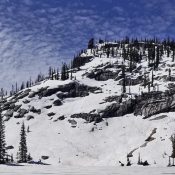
(106,145)
(88,121)
(62,170)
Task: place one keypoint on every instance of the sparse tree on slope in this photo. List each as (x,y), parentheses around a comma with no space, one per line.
(91,43)
(173,146)
(22,155)
(2,141)
(124,79)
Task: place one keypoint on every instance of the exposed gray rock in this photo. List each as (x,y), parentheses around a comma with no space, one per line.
(32,94)
(21,113)
(115,98)
(132,81)
(39,92)
(7,118)
(62,95)
(8,105)
(18,116)
(73,123)
(119,109)
(51,114)
(24,94)
(29,117)
(26,101)
(159,117)
(17,107)
(102,74)
(44,157)
(49,92)
(152,103)
(74,89)
(34,110)
(61,117)
(9,113)
(12,106)
(9,147)
(48,107)
(57,102)
(88,117)
(71,90)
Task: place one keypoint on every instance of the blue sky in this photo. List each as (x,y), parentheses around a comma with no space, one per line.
(35,34)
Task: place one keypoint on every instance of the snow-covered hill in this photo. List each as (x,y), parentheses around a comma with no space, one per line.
(90,121)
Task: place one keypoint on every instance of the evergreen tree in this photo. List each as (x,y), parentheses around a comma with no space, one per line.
(63,72)
(71,70)
(168,51)
(16,85)
(157,58)
(124,79)
(173,147)
(124,54)
(2,93)
(91,43)
(173,54)
(50,72)
(152,79)
(169,72)
(108,52)
(29,158)
(57,75)
(11,157)
(22,156)
(28,129)
(2,141)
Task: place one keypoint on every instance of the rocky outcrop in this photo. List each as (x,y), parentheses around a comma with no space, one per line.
(17,107)
(48,106)
(24,94)
(119,109)
(39,92)
(152,103)
(34,110)
(115,98)
(44,157)
(57,103)
(9,113)
(21,113)
(8,105)
(51,114)
(29,117)
(61,117)
(132,81)
(102,75)
(73,123)
(70,90)
(88,117)
(74,89)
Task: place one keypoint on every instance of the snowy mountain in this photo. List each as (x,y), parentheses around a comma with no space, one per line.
(118,104)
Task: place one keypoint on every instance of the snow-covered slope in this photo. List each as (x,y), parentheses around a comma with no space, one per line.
(78,121)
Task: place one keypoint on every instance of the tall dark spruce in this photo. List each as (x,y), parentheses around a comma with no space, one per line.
(22,154)
(2,141)
(173,147)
